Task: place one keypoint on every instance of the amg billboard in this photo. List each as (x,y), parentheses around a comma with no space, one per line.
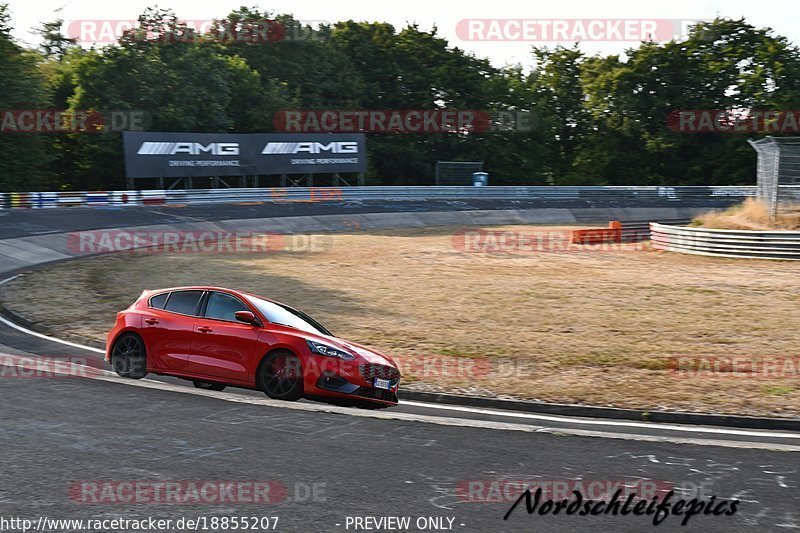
(178,155)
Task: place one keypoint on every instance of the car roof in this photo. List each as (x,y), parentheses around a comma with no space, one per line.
(210,288)
(194,288)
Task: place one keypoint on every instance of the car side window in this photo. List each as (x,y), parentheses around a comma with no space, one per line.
(158,301)
(184,302)
(223,306)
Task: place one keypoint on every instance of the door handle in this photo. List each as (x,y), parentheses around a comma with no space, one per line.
(204,329)
(151,321)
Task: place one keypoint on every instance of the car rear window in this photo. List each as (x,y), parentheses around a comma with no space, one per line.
(158,301)
(184,302)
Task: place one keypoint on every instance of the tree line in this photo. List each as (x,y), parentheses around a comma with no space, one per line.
(598,120)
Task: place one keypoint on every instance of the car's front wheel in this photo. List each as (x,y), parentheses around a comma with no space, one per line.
(281,376)
(129,357)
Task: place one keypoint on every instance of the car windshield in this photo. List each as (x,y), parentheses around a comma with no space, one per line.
(286,316)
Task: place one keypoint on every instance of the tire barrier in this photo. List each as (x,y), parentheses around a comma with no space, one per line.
(783,245)
(639,230)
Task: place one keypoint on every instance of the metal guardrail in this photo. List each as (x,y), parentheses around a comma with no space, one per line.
(321,194)
(726,243)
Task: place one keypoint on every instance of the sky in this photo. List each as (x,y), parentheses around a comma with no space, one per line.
(466,23)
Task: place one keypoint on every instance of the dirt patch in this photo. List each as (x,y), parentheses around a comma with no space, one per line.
(597,325)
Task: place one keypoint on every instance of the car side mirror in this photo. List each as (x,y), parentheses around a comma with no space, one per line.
(247,317)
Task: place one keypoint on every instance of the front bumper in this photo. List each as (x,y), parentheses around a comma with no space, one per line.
(360,385)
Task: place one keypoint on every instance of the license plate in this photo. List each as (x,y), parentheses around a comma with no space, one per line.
(382,384)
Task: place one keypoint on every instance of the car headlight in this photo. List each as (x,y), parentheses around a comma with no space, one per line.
(329,351)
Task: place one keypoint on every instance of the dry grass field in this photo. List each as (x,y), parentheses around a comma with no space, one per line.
(589,325)
(751,214)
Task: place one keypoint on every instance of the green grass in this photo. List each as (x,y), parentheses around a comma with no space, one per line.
(778,390)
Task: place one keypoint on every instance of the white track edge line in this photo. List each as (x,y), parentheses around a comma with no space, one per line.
(605,422)
(47,337)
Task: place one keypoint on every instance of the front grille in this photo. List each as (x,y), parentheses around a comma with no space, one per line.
(376,394)
(371,371)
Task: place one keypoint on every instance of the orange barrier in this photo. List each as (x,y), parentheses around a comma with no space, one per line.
(613,233)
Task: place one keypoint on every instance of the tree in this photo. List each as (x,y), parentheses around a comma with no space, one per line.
(54,43)
(23,156)
(723,65)
(561,96)
(181,81)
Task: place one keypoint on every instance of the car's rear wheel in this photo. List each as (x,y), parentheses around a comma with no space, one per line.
(207,385)
(129,357)
(281,376)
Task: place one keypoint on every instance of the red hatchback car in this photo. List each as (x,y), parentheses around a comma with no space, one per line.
(217,337)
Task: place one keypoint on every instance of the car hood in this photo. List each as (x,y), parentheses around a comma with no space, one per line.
(371,356)
(367,355)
